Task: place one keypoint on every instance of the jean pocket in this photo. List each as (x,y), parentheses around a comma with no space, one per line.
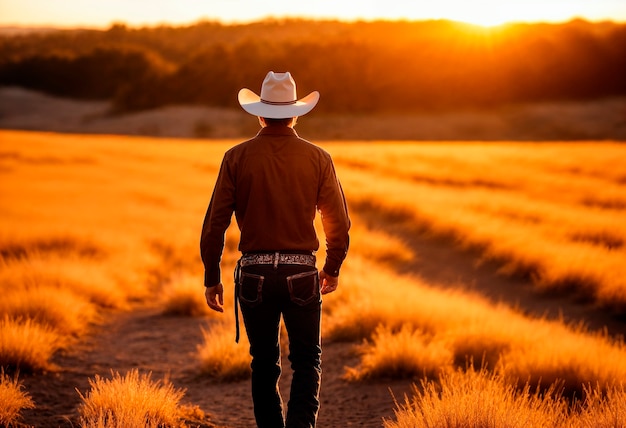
(251,288)
(304,287)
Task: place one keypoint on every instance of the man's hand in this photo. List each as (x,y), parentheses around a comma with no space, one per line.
(211,293)
(329,283)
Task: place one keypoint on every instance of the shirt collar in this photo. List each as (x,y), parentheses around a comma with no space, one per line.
(278,130)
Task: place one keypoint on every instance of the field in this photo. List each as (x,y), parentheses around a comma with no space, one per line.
(485,286)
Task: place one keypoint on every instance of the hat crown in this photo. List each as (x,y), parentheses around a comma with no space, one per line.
(278,98)
(278,88)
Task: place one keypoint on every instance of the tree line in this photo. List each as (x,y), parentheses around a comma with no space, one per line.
(359,67)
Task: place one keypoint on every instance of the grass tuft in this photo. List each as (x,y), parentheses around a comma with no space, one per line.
(13,400)
(185,297)
(222,358)
(477,399)
(87,278)
(58,308)
(26,345)
(60,246)
(554,355)
(405,354)
(603,410)
(129,401)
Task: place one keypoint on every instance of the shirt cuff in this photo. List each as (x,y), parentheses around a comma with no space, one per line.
(332,268)
(211,277)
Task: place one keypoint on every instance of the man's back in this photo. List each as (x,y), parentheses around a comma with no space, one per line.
(278,176)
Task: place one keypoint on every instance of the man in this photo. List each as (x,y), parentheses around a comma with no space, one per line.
(275,183)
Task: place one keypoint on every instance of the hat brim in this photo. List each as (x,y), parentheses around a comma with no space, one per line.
(252,104)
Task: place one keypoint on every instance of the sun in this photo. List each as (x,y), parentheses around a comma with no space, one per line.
(494,13)
(486,21)
(485,14)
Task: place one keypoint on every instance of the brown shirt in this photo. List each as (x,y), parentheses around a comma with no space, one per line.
(274,183)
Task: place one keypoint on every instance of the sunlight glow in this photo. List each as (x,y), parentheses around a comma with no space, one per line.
(490,13)
(146,12)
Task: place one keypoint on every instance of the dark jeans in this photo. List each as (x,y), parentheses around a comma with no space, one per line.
(266,292)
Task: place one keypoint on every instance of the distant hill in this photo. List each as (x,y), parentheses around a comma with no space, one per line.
(20,31)
(597,120)
(389,67)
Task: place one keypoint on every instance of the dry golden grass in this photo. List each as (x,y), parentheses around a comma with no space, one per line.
(425,329)
(220,356)
(60,309)
(550,211)
(13,400)
(555,354)
(486,399)
(103,233)
(26,345)
(404,354)
(49,301)
(602,409)
(182,296)
(120,218)
(87,279)
(478,399)
(131,401)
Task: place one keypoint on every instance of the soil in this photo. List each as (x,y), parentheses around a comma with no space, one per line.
(165,346)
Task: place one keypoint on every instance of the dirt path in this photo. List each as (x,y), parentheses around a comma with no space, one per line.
(146,340)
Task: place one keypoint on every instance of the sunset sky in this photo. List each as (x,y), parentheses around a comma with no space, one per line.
(101,13)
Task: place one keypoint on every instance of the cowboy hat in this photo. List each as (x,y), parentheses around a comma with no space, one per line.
(278,98)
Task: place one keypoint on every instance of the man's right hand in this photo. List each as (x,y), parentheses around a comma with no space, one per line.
(215,297)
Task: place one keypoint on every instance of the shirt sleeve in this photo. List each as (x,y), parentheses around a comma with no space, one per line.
(335,220)
(216,221)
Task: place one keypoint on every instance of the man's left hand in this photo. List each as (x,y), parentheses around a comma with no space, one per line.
(329,283)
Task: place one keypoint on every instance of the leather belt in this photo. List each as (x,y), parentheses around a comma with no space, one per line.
(277,259)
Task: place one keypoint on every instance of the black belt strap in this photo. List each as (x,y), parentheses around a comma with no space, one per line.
(236,300)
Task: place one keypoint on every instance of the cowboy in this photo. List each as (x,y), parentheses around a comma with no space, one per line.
(275,183)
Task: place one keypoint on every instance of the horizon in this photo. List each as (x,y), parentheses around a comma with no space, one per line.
(91,14)
(61,27)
